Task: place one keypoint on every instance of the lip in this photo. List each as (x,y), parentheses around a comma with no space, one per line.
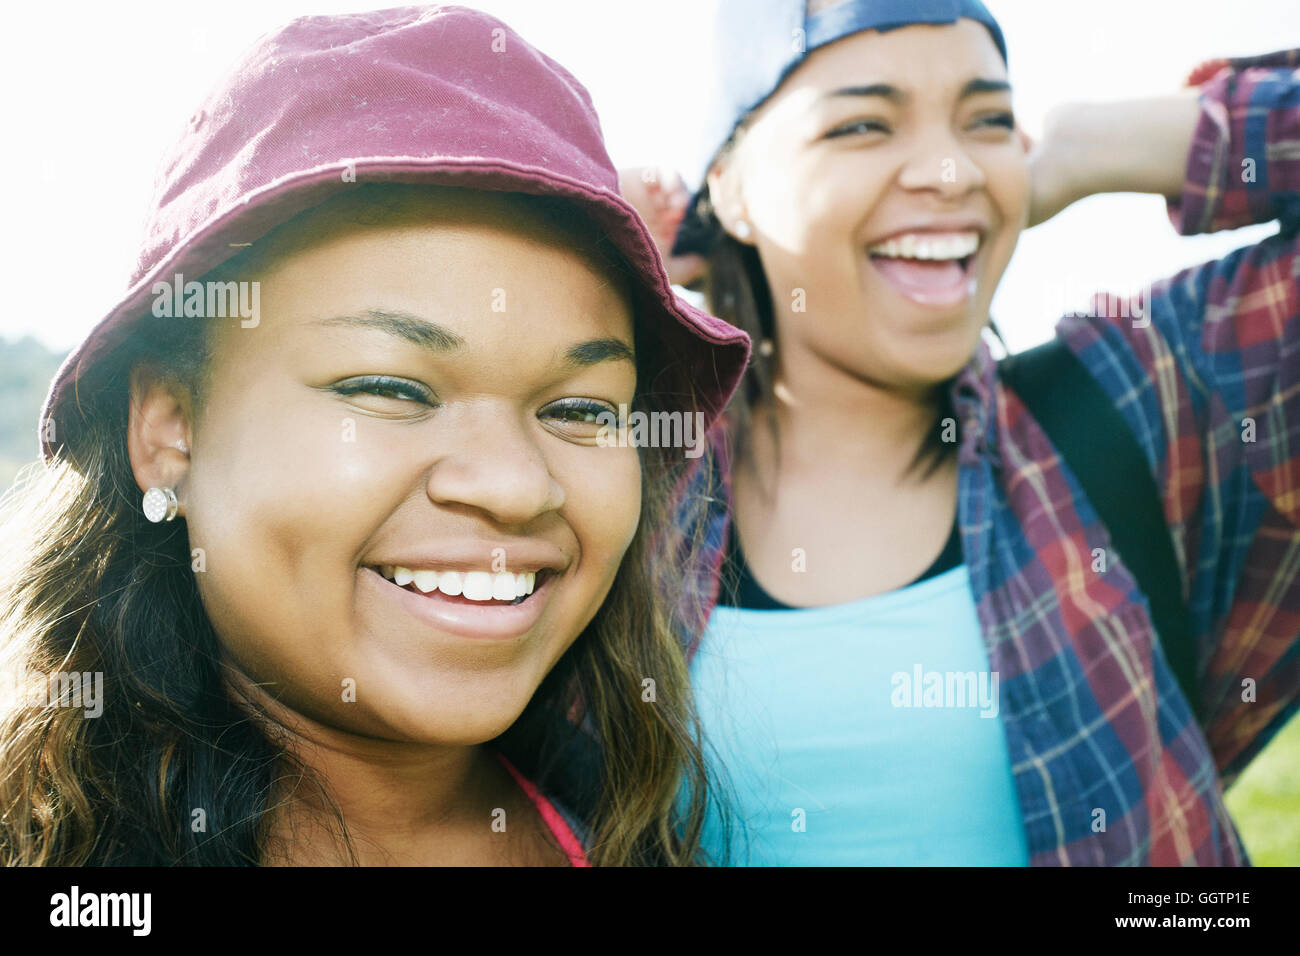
(519,556)
(487,622)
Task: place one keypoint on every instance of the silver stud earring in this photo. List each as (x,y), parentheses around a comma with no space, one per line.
(160,504)
(742,229)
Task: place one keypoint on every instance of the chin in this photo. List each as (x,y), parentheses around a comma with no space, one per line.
(931,359)
(465,724)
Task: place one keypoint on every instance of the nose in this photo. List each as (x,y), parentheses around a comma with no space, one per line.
(938,163)
(494,464)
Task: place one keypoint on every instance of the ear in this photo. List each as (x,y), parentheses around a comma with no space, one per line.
(726,198)
(158,431)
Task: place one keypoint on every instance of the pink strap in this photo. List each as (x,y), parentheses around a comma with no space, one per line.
(569,843)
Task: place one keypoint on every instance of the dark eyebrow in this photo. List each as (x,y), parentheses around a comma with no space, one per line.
(431,336)
(422,332)
(895,95)
(984,86)
(891,93)
(599,350)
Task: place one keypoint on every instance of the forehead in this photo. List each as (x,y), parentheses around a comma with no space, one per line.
(459,254)
(453,257)
(445,216)
(919,58)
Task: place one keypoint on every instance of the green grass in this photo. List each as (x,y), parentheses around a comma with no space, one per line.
(1265,801)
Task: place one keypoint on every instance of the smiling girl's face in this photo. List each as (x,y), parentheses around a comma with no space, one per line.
(886,181)
(417,394)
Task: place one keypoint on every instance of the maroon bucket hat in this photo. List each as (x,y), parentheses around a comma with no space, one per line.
(435,94)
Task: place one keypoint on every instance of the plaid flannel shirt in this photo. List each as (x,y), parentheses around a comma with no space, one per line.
(1093,716)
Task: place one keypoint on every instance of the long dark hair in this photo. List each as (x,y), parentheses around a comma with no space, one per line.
(176,771)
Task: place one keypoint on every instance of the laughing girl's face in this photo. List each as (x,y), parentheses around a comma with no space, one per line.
(885,181)
(417,398)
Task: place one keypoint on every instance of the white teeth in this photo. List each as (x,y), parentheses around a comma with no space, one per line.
(503,587)
(475,585)
(478,586)
(938,246)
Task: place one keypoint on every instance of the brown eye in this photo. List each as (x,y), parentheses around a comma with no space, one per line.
(386,387)
(1005,121)
(581,417)
(857,127)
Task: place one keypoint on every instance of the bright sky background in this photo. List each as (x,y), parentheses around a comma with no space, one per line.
(95,94)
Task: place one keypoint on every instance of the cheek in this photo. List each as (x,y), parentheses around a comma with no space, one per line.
(603,506)
(812,234)
(804,202)
(1009,188)
(282,512)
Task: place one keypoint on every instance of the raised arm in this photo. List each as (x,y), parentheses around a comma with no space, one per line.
(1206,148)
(1207,373)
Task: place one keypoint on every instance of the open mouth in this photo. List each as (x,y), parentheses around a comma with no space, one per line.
(481,588)
(933,269)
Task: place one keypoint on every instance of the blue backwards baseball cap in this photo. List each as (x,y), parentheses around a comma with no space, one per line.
(758,43)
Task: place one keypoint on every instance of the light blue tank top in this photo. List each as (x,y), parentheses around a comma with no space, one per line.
(863,733)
